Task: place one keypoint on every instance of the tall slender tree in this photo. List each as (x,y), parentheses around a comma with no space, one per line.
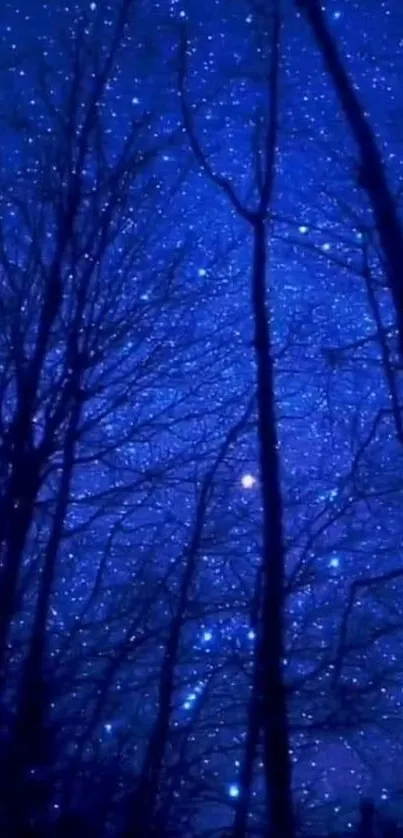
(269,694)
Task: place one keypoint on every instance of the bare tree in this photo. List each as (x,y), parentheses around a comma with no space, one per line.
(143,808)
(269,682)
(372,175)
(92,407)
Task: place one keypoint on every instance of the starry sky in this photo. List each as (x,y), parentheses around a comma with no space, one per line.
(177,375)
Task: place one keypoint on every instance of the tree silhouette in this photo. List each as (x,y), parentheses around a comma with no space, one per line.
(372,175)
(269,697)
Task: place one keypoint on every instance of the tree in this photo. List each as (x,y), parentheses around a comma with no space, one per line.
(87,345)
(372,175)
(143,808)
(269,700)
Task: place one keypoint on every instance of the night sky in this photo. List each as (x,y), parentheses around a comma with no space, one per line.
(181,373)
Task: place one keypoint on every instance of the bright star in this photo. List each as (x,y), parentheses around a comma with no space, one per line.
(248,481)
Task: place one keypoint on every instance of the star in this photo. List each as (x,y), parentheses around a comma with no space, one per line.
(248,481)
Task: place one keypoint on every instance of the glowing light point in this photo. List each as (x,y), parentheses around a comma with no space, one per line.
(202,272)
(233,791)
(303,229)
(108,727)
(251,634)
(248,481)
(207,635)
(334,562)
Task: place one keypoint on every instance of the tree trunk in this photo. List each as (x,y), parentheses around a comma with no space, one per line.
(143,807)
(240,827)
(17,512)
(17,503)
(270,646)
(27,767)
(367,822)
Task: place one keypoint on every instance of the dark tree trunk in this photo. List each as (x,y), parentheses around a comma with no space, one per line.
(146,797)
(240,826)
(270,647)
(17,512)
(38,639)
(143,807)
(144,803)
(268,683)
(27,768)
(24,462)
(372,178)
(253,727)
(367,821)
(25,782)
